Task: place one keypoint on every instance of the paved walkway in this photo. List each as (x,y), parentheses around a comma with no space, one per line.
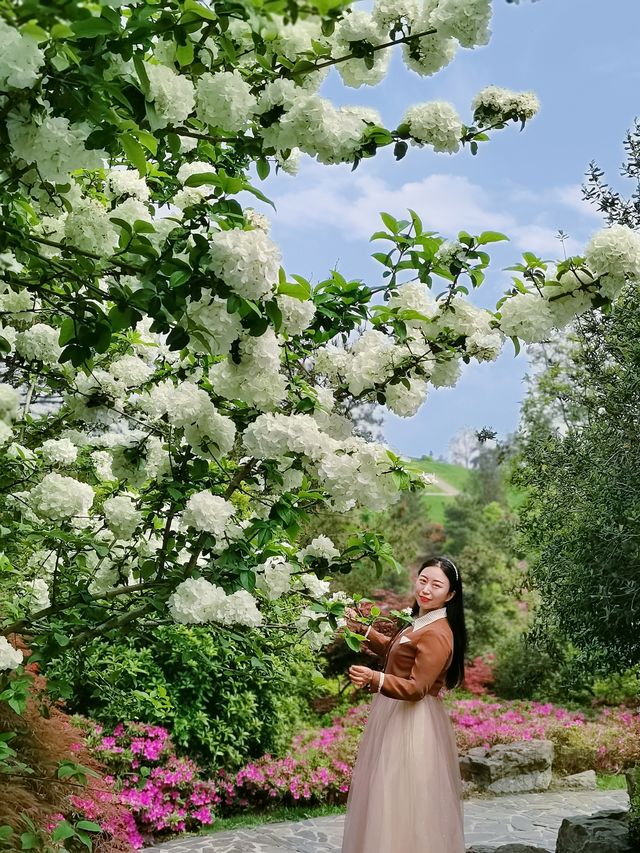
(524,818)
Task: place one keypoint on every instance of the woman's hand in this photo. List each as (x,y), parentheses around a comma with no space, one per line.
(351,615)
(360,675)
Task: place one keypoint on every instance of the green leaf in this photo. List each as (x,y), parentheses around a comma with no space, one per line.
(5,346)
(263,168)
(63,830)
(491,237)
(88,826)
(91,27)
(274,314)
(134,152)
(391,222)
(184,53)
(202,178)
(301,289)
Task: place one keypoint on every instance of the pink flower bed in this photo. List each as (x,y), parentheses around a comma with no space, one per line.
(164,793)
(318,767)
(167,794)
(482,723)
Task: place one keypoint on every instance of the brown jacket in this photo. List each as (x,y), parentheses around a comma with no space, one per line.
(414,668)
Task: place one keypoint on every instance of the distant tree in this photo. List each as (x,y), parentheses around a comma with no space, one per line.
(464,447)
(579,465)
(479,529)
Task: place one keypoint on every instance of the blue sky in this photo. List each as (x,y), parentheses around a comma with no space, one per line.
(581,59)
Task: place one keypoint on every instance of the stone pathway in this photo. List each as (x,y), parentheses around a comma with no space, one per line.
(523,818)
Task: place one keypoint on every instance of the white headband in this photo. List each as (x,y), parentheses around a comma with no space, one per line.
(453,566)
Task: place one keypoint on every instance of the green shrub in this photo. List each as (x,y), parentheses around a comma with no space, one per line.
(223,700)
(618,689)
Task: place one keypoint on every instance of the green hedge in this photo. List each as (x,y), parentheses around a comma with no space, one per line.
(224,698)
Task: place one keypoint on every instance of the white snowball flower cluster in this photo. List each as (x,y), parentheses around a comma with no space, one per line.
(121,516)
(316,587)
(257,380)
(10,658)
(173,95)
(130,210)
(18,304)
(387,13)
(224,100)
(614,253)
(196,601)
(526,316)
(61,451)
(189,407)
(315,126)
(403,401)
(89,227)
(44,562)
(445,374)
(322,546)
(332,361)
(359,474)
(569,296)
(57,497)
(273,577)
(273,436)
(430,53)
(213,328)
(9,263)
(257,220)
(247,261)
(289,40)
(315,639)
(127,182)
(482,340)
(279,93)
(39,343)
(297,314)
(493,105)
(208,512)
(9,403)
(192,195)
(371,358)
(34,595)
(20,60)
(357,26)
(130,370)
(414,296)
(53,144)
(465,20)
(435,123)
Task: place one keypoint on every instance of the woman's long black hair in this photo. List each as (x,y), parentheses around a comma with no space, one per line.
(455,618)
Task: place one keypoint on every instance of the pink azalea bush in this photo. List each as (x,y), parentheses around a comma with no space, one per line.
(318,766)
(478,675)
(165,793)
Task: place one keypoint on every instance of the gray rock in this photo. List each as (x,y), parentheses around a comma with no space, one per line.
(510,768)
(506,848)
(587,780)
(602,832)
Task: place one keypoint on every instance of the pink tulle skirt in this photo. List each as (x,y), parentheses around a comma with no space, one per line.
(406,792)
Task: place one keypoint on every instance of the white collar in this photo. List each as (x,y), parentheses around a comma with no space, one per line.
(429,617)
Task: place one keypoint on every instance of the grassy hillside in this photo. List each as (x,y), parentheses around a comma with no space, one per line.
(435,499)
(456,477)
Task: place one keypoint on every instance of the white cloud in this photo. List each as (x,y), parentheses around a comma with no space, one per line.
(351,203)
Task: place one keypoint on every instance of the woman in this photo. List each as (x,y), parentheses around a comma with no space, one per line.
(406,792)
